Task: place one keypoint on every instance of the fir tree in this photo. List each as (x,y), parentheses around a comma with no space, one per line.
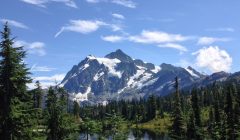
(76,109)
(15,100)
(37,95)
(151,107)
(230,115)
(191,128)
(196,114)
(60,124)
(178,128)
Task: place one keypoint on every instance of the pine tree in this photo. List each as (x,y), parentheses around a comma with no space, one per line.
(191,128)
(178,128)
(151,107)
(15,100)
(37,95)
(53,118)
(196,113)
(76,109)
(236,110)
(230,115)
(211,123)
(196,108)
(60,124)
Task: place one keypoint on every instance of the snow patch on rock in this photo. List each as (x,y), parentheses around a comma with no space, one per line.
(191,72)
(110,64)
(79,97)
(157,69)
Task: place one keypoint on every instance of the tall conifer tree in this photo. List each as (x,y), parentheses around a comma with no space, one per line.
(14,99)
(178,128)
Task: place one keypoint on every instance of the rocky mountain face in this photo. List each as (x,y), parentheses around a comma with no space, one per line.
(118,76)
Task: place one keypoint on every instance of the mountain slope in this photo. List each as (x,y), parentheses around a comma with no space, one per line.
(118,76)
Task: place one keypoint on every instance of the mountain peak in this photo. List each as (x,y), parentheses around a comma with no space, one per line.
(166,66)
(195,72)
(119,54)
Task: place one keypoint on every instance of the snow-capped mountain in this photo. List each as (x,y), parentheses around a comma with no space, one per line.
(118,76)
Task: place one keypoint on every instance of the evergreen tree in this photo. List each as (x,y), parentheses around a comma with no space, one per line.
(191,128)
(178,128)
(196,114)
(76,109)
(37,95)
(196,108)
(151,107)
(53,120)
(15,102)
(236,110)
(60,123)
(230,115)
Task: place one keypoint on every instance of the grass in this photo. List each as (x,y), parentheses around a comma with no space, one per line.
(157,125)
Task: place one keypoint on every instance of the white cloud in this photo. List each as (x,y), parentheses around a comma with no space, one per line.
(174,46)
(112,38)
(14,23)
(36,68)
(93,1)
(39,3)
(158,38)
(211,40)
(86,26)
(119,16)
(56,77)
(223,29)
(32,48)
(47,81)
(150,37)
(126,3)
(213,59)
(42,3)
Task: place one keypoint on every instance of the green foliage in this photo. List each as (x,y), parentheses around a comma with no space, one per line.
(37,95)
(76,109)
(178,128)
(15,102)
(60,123)
(151,107)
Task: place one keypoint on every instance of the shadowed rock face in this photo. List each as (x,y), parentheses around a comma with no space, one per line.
(118,76)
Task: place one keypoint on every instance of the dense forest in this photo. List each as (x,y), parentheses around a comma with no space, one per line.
(211,112)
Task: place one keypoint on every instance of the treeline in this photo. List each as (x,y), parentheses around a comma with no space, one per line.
(203,113)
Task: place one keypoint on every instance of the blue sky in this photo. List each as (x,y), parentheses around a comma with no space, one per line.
(60,33)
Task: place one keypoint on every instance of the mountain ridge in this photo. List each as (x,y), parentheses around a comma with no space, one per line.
(118,76)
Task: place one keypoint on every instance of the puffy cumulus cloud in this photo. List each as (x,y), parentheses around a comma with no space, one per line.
(211,40)
(47,81)
(174,46)
(86,26)
(112,38)
(14,23)
(214,59)
(150,37)
(118,16)
(42,3)
(32,47)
